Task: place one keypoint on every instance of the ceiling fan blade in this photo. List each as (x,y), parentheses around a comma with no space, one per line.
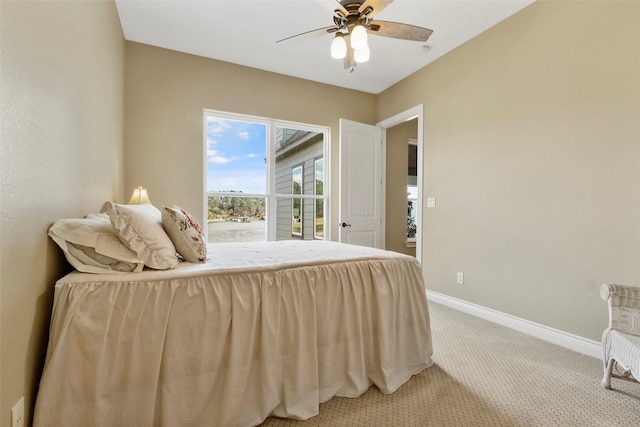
(397,30)
(371,7)
(341,8)
(332,6)
(313,33)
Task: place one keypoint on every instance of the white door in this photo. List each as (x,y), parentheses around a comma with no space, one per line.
(361,185)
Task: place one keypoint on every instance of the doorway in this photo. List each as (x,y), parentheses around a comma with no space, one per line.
(408,118)
(401,201)
(359,143)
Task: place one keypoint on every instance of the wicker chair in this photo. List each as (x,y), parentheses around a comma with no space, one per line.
(621,340)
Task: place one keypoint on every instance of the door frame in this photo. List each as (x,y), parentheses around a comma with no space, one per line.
(404,116)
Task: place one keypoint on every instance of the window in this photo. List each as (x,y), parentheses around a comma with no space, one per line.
(318,213)
(296,212)
(412,204)
(254,167)
(412,193)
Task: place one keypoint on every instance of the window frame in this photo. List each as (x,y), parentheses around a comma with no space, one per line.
(271,196)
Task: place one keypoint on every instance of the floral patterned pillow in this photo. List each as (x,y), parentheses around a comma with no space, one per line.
(185,232)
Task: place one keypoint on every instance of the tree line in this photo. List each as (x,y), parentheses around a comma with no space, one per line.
(224,207)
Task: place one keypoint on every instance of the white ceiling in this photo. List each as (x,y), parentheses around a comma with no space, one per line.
(245,32)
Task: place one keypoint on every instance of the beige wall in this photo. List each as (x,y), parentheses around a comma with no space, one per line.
(397,164)
(62,80)
(531,148)
(166,94)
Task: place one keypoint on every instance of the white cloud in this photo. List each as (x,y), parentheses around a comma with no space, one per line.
(217,125)
(243,135)
(251,155)
(229,183)
(214,156)
(245,180)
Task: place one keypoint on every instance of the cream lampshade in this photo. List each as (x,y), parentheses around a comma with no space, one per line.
(139,197)
(358,37)
(361,54)
(338,46)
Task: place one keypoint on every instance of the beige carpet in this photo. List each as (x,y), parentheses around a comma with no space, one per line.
(489,375)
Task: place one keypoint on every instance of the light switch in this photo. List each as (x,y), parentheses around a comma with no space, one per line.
(431,202)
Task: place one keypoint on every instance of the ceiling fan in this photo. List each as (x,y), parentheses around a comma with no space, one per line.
(353,20)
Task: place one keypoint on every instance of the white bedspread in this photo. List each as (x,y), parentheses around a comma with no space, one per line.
(260,329)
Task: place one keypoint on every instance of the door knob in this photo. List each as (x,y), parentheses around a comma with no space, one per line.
(344,224)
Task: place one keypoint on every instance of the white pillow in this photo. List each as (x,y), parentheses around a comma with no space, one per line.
(91,245)
(140,229)
(185,233)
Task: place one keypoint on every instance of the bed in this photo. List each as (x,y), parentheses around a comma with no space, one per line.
(257,330)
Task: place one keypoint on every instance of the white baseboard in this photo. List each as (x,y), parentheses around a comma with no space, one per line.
(561,338)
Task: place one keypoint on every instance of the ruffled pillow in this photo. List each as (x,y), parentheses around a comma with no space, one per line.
(185,233)
(139,227)
(91,245)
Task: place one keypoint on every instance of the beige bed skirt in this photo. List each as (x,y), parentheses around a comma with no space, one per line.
(273,328)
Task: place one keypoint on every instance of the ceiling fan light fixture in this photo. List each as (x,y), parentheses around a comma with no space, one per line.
(358,37)
(361,54)
(338,47)
(352,22)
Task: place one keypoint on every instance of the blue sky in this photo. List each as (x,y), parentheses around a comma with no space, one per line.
(235,156)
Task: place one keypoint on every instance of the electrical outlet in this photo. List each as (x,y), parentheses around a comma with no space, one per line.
(460,278)
(17,414)
(431,202)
